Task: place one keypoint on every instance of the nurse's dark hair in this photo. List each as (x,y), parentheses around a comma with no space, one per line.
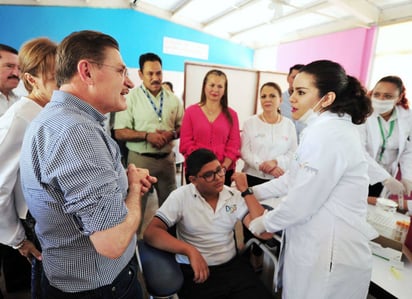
(86,44)
(197,159)
(395,80)
(351,97)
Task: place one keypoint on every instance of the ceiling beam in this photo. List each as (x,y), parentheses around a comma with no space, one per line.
(327,28)
(363,10)
(229,11)
(396,14)
(294,14)
(182,4)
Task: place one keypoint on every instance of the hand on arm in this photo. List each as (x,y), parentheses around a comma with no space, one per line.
(268,166)
(158,139)
(265,235)
(156,235)
(254,207)
(277,172)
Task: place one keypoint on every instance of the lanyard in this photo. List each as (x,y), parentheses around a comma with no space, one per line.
(385,139)
(158,111)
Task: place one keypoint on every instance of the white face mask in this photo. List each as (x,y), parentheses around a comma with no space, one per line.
(382,106)
(310,113)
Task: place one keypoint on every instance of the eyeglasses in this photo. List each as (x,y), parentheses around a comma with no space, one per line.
(121,70)
(210,176)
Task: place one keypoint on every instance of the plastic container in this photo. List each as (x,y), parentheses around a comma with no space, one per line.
(386,205)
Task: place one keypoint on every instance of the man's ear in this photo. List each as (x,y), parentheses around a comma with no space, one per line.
(85,71)
(192,179)
(140,74)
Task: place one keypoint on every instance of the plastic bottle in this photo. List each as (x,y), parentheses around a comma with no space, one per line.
(405,228)
(398,231)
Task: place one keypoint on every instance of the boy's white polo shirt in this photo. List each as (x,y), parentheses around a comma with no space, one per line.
(211,232)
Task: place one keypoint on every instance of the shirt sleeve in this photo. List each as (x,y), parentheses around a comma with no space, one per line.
(170,212)
(124,119)
(11,137)
(83,168)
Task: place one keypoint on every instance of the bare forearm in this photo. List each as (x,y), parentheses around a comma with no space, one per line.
(130,135)
(156,235)
(254,207)
(114,241)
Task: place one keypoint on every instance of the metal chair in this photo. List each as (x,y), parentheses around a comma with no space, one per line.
(271,266)
(161,272)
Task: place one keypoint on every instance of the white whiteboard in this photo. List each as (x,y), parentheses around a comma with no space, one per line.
(243,86)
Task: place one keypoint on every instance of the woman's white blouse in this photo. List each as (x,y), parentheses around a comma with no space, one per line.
(262,142)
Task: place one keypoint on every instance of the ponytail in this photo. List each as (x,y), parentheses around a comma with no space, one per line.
(354,101)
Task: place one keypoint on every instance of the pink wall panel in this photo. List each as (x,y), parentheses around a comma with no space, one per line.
(352,49)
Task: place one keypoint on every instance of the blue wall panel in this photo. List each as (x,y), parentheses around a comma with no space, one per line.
(136,33)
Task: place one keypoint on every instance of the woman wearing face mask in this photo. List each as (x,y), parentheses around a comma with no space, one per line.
(323,215)
(386,135)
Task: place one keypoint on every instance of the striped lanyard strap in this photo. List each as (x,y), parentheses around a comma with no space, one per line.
(159,110)
(385,138)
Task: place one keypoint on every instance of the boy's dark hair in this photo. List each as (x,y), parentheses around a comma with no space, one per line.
(197,159)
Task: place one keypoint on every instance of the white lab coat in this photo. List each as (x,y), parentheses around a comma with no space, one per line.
(371,138)
(327,254)
(13,125)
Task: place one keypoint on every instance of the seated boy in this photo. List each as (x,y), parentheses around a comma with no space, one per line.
(205,213)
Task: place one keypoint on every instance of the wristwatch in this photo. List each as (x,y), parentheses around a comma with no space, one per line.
(248,191)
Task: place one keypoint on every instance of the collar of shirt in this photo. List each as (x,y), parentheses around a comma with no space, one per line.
(65,98)
(224,196)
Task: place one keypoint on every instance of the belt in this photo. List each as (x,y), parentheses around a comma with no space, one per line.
(156,155)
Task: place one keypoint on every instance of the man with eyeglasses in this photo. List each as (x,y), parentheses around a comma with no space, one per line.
(205,213)
(9,77)
(86,206)
(150,125)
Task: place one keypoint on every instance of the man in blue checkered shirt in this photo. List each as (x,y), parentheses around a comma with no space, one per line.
(86,206)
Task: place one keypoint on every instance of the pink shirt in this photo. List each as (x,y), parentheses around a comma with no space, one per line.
(219,136)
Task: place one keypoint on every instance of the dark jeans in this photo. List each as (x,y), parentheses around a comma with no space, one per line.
(16,269)
(232,280)
(125,286)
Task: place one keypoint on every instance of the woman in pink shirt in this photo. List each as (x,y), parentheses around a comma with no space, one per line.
(211,124)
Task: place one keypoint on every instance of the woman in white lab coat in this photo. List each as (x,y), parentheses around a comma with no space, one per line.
(326,252)
(387,137)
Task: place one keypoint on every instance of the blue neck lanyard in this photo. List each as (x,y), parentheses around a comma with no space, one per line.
(156,110)
(385,139)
